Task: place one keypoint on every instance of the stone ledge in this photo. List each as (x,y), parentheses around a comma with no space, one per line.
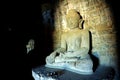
(45,73)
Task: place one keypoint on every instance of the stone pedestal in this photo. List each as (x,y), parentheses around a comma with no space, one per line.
(45,73)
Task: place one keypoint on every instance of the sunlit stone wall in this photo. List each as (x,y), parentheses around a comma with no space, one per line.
(98,20)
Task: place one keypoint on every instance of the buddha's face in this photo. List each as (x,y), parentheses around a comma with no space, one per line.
(72,23)
(73,19)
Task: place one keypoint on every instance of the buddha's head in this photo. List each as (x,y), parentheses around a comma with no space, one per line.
(73,19)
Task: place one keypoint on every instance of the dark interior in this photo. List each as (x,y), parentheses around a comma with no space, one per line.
(23,21)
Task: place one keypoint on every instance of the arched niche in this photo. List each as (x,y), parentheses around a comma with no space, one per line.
(98,20)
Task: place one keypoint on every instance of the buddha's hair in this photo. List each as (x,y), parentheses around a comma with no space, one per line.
(72,13)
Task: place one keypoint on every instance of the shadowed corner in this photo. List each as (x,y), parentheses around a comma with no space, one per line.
(116,12)
(95,57)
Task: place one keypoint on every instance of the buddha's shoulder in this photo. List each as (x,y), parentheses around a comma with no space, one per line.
(68,33)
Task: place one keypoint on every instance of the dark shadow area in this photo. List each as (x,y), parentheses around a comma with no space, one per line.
(114,6)
(22,21)
(93,57)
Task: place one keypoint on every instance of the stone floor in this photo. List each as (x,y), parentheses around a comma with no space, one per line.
(45,73)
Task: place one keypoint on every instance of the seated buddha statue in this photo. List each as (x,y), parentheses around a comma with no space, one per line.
(73,52)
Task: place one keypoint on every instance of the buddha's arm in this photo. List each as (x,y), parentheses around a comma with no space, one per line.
(82,52)
(78,53)
(85,43)
(62,48)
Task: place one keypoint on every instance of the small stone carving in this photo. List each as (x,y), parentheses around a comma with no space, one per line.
(73,52)
(30,45)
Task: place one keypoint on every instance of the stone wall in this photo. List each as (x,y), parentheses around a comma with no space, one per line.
(98,20)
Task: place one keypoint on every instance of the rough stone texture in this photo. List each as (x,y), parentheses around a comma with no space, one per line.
(98,20)
(73,52)
(44,73)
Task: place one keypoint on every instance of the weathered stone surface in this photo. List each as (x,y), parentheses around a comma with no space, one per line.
(44,73)
(74,47)
(98,20)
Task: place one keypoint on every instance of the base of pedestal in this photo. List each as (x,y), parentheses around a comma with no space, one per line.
(45,73)
(72,69)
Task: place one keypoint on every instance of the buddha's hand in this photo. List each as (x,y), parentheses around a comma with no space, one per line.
(50,59)
(62,55)
(60,50)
